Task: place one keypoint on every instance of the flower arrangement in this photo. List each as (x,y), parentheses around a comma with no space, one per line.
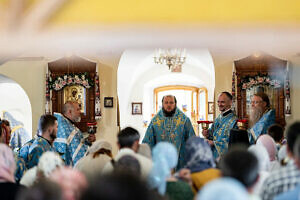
(70,79)
(260,79)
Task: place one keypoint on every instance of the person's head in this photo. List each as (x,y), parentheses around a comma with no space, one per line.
(118,186)
(169,104)
(259,104)
(6,131)
(262,156)
(276,132)
(7,164)
(198,155)
(44,189)
(223,188)
(165,158)
(128,164)
(270,145)
(48,127)
(224,101)
(72,111)
(240,164)
(100,147)
(48,162)
(71,181)
(129,138)
(292,134)
(238,136)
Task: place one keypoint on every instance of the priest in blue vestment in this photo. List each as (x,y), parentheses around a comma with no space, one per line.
(218,134)
(47,130)
(170,125)
(261,116)
(70,143)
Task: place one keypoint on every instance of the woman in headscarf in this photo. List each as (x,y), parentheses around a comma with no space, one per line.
(8,187)
(97,156)
(165,157)
(263,166)
(200,161)
(270,145)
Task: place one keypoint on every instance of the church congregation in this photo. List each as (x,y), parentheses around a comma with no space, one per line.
(172,163)
(149,100)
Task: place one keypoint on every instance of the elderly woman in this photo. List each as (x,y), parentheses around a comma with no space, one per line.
(8,188)
(97,156)
(200,161)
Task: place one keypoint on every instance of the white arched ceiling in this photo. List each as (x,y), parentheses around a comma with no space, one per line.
(15,101)
(138,75)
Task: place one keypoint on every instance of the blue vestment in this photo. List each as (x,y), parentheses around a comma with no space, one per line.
(38,147)
(176,130)
(19,135)
(220,132)
(24,151)
(69,142)
(261,127)
(20,167)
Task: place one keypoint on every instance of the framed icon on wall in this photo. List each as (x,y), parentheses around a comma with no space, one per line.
(137,108)
(108,102)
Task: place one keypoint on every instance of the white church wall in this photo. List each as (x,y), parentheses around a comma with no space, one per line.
(30,75)
(138,77)
(15,101)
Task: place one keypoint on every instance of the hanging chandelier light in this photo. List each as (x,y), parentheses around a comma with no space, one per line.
(171,57)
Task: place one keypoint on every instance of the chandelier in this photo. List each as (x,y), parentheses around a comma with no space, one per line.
(173,58)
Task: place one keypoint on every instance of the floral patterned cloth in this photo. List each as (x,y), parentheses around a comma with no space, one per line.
(261,126)
(176,130)
(219,132)
(38,147)
(69,142)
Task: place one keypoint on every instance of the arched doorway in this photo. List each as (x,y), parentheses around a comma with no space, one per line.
(16,108)
(138,76)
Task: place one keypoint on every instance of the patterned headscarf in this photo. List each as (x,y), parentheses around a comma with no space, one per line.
(198,155)
(269,143)
(164,159)
(7,164)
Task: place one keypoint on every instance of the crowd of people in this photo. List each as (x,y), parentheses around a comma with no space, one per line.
(226,162)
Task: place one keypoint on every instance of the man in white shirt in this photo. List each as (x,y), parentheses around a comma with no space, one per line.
(128,142)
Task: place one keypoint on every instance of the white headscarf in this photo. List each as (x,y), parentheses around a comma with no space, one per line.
(262,156)
(99,144)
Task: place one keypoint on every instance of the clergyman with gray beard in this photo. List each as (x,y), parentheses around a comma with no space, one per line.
(262,116)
